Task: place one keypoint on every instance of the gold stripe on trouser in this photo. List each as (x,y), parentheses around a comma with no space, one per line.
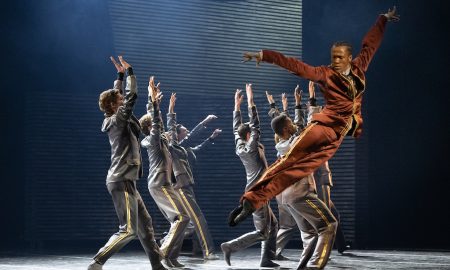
(324,251)
(120,238)
(172,232)
(304,132)
(196,221)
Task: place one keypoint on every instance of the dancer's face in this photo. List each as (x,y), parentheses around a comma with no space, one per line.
(290,128)
(340,58)
(118,103)
(183,133)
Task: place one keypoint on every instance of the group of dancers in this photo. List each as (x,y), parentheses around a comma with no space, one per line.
(302,150)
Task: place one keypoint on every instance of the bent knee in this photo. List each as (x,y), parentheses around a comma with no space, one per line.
(183,219)
(264,234)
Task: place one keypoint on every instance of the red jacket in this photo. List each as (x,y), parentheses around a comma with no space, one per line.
(343,99)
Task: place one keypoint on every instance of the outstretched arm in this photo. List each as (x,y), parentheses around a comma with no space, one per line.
(126,110)
(155,95)
(285,103)
(299,118)
(152,90)
(312,94)
(312,107)
(254,119)
(371,42)
(172,120)
(208,141)
(291,64)
(118,83)
(237,118)
(157,126)
(273,112)
(197,129)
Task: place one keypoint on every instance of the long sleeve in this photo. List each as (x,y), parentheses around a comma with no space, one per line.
(274,111)
(172,127)
(255,130)
(311,111)
(298,67)
(126,110)
(194,132)
(371,42)
(155,133)
(203,145)
(299,118)
(118,83)
(149,105)
(237,121)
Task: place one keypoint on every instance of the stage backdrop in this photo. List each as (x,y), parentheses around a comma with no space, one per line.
(193,48)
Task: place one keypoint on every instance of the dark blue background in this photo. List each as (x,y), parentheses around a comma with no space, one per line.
(406,108)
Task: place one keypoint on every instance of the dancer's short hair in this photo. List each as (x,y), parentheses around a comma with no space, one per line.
(105,100)
(178,127)
(243,130)
(346,44)
(146,123)
(278,123)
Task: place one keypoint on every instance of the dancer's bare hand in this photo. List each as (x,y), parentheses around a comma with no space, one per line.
(123,62)
(248,56)
(270,98)
(173,98)
(391,15)
(238,97)
(117,65)
(215,133)
(284,101)
(311,89)
(298,95)
(208,119)
(151,85)
(249,92)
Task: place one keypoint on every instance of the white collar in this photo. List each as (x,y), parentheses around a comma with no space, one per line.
(346,72)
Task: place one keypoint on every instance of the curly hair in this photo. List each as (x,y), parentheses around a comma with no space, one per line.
(105,100)
(146,123)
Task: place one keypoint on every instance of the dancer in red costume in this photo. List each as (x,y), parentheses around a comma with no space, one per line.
(342,84)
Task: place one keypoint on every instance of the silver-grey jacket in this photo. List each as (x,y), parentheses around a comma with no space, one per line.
(157,145)
(181,168)
(123,131)
(298,189)
(299,120)
(250,152)
(187,142)
(313,110)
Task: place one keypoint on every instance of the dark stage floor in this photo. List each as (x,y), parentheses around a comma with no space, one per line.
(248,259)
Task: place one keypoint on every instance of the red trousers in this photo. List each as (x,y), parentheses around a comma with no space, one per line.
(316,144)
